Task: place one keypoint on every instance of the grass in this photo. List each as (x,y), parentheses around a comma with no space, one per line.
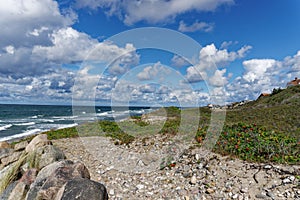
(265,130)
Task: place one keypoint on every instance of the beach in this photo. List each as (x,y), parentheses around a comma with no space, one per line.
(197,174)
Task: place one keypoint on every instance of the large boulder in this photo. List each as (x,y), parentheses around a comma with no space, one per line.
(11,158)
(37,141)
(52,177)
(6,193)
(4,152)
(48,154)
(82,189)
(4,145)
(21,188)
(21,146)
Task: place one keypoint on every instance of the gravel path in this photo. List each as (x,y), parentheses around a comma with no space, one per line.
(155,168)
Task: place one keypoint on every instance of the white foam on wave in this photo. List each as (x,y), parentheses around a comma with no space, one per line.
(24,134)
(25,124)
(67,126)
(5,127)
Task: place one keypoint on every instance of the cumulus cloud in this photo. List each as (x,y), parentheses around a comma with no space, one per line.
(211,58)
(262,75)
(179,61)
(28,22)
(152,72)
(196,26)
(132,11)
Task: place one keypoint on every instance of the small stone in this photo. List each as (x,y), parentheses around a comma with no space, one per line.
(209,191)
(235,196)
(287,180)
(193,180)
(197,157)
(186,198)
(111,192)
(140,186)
(244,190)
(267,167)
(261,196)
(270,194)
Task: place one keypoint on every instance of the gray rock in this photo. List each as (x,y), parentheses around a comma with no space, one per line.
(53,177)
(82,189)
(20,146)
(5,152)
(4,145)
(37,141)
(19,192)
(48,154)
(261,196)
(5,194)
(11,158)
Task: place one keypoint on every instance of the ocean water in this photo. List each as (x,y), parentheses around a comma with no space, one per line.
(17,121)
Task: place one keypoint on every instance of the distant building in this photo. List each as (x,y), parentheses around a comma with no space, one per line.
(263,95)
(294,82)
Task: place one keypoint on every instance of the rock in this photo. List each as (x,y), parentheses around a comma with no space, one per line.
(37,141)
(244,190)
(4,145)
(111,192)
(140,186)
(19,192)
(5,194)
(29,176)
(261,196)
(193,180)
(52,177)
(10,159)
(5,152)
(48,154)
(209,191)
(20,146)
(82,189)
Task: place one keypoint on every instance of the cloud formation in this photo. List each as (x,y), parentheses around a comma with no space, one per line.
(133,11)
(196,26)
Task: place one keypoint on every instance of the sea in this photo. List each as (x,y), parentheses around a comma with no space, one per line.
(18,121)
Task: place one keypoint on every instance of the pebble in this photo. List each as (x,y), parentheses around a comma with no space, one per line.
(209,191)
(193,180)
(261,196)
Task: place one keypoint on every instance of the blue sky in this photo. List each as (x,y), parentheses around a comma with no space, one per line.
(53,52)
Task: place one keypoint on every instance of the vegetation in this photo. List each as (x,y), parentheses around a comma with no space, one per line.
(254,143)
(265,130)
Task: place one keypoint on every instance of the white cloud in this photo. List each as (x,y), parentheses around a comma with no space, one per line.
(211,58)
(256,69)
(218,79)
(132,11)
(23,22)
(179,61)
(152,72)
(196,26)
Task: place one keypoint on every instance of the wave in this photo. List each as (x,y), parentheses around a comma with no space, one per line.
(5,127)
(25,124)
(67,126)
(24,134)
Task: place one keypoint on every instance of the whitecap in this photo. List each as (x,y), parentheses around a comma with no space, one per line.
(27,133)
(5,127)
(25,124)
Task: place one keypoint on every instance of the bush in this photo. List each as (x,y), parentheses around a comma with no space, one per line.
(253,143)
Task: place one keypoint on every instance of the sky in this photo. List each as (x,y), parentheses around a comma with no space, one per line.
(146,52)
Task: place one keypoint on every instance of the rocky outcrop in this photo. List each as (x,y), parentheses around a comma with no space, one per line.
(82,189)
(38,170)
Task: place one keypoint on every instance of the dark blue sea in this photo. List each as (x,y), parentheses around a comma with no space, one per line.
(17,121)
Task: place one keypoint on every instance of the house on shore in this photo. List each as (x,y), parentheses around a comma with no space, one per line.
(263,95)
(294,82)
